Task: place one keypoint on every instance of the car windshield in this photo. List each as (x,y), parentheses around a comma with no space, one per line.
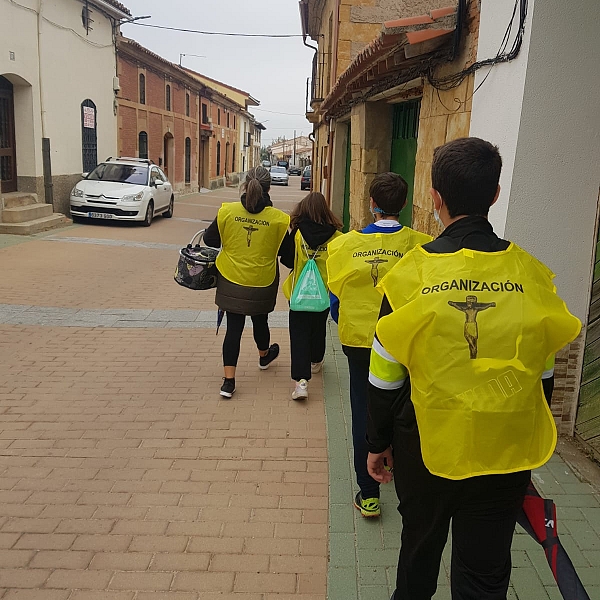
(278,170)
(137,175)
(307,171)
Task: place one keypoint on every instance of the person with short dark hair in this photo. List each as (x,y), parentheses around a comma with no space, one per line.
(460,383)
(356,264)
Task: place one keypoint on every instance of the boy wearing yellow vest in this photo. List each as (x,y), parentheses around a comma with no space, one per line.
(356,263)
(461,379)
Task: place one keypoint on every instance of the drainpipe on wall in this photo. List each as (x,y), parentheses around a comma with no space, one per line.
(46,150)
(333,78)
(39,52)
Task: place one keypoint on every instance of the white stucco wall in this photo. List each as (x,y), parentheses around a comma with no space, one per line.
(50,84)
(18,34)
(554,196)
(543,112)
(496,114)
(76,66)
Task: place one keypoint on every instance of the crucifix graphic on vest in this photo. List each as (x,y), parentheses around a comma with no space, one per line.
(472,308)
(375,268)
(250,229)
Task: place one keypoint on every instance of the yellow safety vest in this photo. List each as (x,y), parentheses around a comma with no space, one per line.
(301,258)
(250,244)
(356,264)
(475,330)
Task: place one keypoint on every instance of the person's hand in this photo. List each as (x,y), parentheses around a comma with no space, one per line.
(381,466)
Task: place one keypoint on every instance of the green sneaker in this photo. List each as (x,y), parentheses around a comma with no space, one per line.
(369,507)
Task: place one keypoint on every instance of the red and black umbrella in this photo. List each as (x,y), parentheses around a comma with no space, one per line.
(538,519)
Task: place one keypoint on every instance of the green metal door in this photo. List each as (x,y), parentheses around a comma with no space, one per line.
(404,150)
(346,212)
(588,416)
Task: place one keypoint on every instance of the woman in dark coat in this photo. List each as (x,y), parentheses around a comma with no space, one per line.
(251,233)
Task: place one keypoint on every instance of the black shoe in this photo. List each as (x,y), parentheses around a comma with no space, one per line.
(270,356)
(228,387)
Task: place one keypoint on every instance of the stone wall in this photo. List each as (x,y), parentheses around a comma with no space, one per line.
(361,21)
(379,11)
(445,116)
(371,137)
(567,375)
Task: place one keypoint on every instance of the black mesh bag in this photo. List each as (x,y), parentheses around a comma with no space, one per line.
(196,269)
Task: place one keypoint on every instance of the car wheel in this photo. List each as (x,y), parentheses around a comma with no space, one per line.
(169,213)
(149,214)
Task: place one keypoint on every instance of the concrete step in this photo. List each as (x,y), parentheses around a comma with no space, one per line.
(22,214)
(54,221)
(16,199)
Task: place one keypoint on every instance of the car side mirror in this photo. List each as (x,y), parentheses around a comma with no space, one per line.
(158,182)
(84,175)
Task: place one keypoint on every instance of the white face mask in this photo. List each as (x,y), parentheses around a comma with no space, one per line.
(436,216)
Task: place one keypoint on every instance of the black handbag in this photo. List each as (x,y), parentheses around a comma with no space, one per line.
(196,269)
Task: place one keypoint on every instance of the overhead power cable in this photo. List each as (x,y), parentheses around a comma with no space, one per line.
(229,34)
(453,81)
(274,112)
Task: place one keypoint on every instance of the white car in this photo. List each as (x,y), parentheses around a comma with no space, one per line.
(280,175)
(128,189)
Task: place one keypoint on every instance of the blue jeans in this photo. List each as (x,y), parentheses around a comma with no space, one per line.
(358,367)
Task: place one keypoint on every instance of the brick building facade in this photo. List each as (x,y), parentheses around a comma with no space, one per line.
(221,118)
(159,106)
(169,116)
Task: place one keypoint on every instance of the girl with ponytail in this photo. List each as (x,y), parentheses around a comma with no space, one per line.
(251,233)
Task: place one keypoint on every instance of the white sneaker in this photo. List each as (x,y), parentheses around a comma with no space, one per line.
(316,367)
(301,391)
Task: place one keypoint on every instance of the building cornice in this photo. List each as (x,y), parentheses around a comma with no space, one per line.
(113,8)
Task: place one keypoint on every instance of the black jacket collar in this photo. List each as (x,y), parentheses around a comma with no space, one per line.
(475,233)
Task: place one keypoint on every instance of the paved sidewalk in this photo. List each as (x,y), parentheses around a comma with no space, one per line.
(364,552)
(123,474)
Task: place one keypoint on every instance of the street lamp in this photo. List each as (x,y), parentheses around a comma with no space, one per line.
(133,19)
(196,55)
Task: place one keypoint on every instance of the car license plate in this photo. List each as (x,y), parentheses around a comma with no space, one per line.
(95,215)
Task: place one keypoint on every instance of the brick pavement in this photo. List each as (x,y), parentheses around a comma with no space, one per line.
(123,474)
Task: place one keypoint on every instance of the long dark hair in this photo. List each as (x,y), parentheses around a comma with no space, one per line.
(314,208)
(257,184)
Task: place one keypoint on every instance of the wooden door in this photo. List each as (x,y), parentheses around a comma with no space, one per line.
(404,150)
(587,426)
(8,155)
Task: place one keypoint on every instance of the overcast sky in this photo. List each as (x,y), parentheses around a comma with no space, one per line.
(272,70)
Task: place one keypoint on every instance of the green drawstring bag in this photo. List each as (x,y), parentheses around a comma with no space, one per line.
(310,293)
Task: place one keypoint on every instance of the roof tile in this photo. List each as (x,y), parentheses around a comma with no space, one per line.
(120,6)
(416,37)
(409,21)
(438,13)
(401,32)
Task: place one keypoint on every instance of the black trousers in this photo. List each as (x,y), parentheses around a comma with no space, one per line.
(358,369)
(483,512)
(233,337)
(307,341)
